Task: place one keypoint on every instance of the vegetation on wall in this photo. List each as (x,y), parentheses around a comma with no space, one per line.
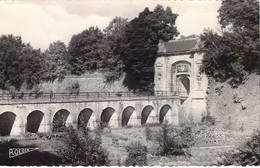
(234,53)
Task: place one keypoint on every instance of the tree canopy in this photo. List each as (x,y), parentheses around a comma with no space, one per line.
(139,50)
(19,63)
(234,53)
(85,52)
(56,61)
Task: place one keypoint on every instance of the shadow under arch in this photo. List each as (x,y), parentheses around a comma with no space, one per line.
(127,112)
(59,120)
(84,117)
(163,111)
(34,120)
(106,116)
(6,123)
(145,113)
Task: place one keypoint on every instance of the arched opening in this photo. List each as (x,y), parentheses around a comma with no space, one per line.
(59,120)
(180,69)
(84,118)
(6,123)
(164,110)
(145,114)
(128,111)
(185,81)
(106,116)
(34,120)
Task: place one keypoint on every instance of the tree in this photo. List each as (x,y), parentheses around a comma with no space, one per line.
(19,63)
(235,53)
(114,36)
(141,44)
(56,61)
(85,52)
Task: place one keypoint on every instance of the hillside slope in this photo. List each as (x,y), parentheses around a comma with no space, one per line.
(88,82)
(238,108)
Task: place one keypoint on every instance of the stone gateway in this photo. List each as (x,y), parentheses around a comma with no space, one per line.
(177,70)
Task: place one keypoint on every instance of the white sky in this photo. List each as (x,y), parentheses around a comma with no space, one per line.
(42,22)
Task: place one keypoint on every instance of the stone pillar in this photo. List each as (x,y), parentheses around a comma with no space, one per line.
(134,119)
(152,118)
(18,127)
(71,121)
(113,123)
(44,126)
(92,122)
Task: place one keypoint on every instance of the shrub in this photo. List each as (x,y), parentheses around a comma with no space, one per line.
(137,154)
(248,154)
(208,120)
(175,140)
(81,149)
(73,88)
(148,133)
(59,124)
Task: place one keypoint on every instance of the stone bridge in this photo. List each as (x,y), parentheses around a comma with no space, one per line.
(48,112)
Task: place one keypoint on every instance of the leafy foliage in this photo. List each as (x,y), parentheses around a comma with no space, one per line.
(247,155)
(137,154)
(235,53)
(140,45)
(114,36)
(19,63)
(56,61)
(175,140)
(85,51)
(81,149)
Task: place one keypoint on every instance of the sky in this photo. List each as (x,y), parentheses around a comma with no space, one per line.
(41,22)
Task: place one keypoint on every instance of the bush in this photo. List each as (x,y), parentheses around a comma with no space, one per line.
(81,149)
(208,120)
(73,88)
(248,154)
(137,154)
(148,133)
(175,140)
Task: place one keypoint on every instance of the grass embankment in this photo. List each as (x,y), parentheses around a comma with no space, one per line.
(88,82)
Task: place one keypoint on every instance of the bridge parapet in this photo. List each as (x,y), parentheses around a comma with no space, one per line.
(31,98)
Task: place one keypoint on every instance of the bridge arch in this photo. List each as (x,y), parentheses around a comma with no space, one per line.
(34,120)
(59,120)
(165,114)
(128,116)
(7,120)
(86,118)
(148,115)
(108,117)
